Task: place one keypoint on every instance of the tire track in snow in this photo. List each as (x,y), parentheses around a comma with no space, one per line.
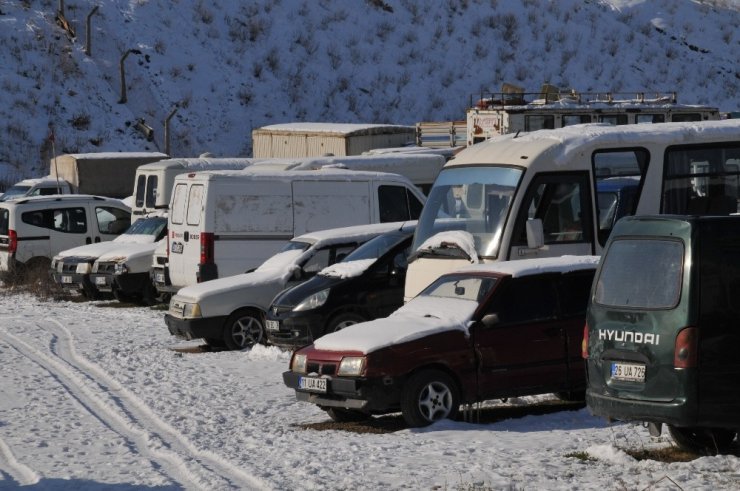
(124,413)
(22,474)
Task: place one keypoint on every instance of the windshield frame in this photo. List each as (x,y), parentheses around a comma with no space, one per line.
(432,219)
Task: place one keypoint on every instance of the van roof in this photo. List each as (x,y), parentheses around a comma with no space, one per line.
(356,231)
(199,163)
(115,155)
(329,174)
(62,197)
(38,180)
(528,267)
(561,143)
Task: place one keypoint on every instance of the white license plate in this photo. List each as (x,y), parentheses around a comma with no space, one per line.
(66,280)
(159,277)
(100,280)
(272,325)
(628,371)
(313,384)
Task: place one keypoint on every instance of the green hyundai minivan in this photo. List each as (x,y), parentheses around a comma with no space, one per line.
(662,334)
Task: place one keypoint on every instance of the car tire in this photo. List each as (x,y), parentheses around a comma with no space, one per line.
(243,329)
(702,441)
(340,321)
(428,396)
(341,415)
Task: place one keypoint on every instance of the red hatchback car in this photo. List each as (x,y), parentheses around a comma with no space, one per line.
(486,331)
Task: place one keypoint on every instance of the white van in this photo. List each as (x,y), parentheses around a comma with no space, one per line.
(231,311)
(41,186)
(153,182)
(225,223)
(541,194)
(33,230)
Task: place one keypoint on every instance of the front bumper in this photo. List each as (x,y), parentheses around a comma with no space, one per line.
(202,327)
(72,281)
(368,395)
(130,283)
(294,328)
(102,281)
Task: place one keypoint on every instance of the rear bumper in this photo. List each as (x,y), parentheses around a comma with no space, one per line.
(678,412)
(368,395)
(204,327)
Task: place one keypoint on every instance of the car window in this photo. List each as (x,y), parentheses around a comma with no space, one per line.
(195,199)
(179,200)
(393,204)
(151,191)
(112,220)
(140,190)
(574,290)
(326,256)
(69,220)
(526,299)
(4,221)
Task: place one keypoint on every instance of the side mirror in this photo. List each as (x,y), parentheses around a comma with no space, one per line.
(535,233)
(490,320)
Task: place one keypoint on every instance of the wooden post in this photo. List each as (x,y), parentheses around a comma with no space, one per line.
(88,32)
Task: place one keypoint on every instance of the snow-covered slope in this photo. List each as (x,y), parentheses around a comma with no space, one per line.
(228,67)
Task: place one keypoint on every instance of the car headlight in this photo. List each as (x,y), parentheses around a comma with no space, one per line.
(314,301)
(351,366)
(298,363)
(191,310)
(83,268)
(120,268)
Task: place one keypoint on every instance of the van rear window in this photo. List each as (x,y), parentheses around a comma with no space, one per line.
(4,221)
(641,273)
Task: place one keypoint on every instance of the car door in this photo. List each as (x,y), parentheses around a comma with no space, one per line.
(321,258)
(384,281)
(525,350)
(574,290)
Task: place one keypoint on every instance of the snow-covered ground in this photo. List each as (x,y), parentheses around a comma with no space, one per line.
(94,395)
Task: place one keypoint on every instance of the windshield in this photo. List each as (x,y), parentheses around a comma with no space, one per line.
(295,245)
(148,226)
(474,199)
(376,247)
(459,286)
(15,191)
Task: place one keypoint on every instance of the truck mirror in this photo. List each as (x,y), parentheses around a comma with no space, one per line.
(535,233)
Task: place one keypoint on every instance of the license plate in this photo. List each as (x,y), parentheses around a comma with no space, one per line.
(313,384)
(159,277)
(66,280)
(628,371)
(272,325)
(100,280)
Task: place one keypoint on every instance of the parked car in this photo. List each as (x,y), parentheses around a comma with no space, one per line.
(662,336)
(230,311)
(485,331)
(33,230)
(72,268)
(366,285)
(42,186)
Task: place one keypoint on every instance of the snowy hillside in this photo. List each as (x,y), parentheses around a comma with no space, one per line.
(228,67)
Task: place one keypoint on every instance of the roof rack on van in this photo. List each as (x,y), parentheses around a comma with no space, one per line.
(511,95)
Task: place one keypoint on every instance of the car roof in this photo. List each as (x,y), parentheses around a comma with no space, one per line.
(63,197)
(353,232)
(529,267)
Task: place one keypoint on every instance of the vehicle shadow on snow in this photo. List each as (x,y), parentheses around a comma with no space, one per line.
(484,416)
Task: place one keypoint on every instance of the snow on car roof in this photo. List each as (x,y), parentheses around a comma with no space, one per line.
(117,155)
(420,317)
(200,163)
(528,267)
(353,232)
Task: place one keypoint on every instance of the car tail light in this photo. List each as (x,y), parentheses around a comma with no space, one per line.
(686,351)
(12,241)
(206,248)
(584,342)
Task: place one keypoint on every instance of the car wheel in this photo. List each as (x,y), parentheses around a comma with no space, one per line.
(341,415)
(429,396)
(339,322)
(703,441)
(243,329)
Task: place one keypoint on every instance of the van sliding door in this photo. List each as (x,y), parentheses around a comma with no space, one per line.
(320,205)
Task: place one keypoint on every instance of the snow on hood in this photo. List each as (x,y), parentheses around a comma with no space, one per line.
(128,251)
(420,317)
(349,269)
(97,249)
(452,238)
(277,269)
